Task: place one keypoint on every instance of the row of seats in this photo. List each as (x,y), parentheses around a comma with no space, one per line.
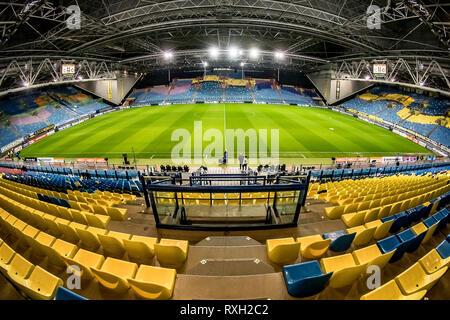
(310,278)
(282,251)
(93,203)
(41,208)
(93,237)
(118,275)
(413,283)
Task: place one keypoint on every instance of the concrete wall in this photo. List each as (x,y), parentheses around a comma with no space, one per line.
(328,87)
(112,90)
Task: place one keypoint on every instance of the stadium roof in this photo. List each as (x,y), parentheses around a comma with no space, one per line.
(135,34)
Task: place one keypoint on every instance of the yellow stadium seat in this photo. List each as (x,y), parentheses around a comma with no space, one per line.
(153,282)
(351,208)
(391,291)
(41,285)
(41,240)
(420,227)
(363,235)
(371,255)
(113,274)
(283,251)
(117,213)
(415,279)
(364,206)
(382,228)
(354,219)
(6,256)
(96,220)
(140,249)
(64,213)
(313,247)
(344,268)
(371,215)
(78,216)
(53,228)
(395,208)
(433,262)
(69,230)
(85,260)
(112,243)
(58,250)
(384,211)
(171,253)
(89,237)
(19,269)
(29,233)
(100,210)
(334,212)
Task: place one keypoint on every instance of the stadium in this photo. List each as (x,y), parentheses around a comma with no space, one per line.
(224,150)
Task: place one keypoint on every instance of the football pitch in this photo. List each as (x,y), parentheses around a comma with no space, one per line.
(152,133)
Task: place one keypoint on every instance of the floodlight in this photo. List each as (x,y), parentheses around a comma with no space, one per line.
(214,52)
(233,52)
(168,54)
(279,55)
(254,53)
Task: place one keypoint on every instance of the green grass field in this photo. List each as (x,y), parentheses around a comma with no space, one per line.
(303,132)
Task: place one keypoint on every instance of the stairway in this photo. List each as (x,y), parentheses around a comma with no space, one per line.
(281,96)
(433,130)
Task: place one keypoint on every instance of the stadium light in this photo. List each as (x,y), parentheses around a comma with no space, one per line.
(168,55)
(422,83)
(367,77)
(242,64)
(254,53)
(214,52)
(25,84)
(279,55)
(205,63)
(80,77)
(233,52)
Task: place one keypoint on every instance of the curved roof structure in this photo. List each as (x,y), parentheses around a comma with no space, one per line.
(135,35)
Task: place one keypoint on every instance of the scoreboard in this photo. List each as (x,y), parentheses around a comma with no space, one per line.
(68,69)
(379,69)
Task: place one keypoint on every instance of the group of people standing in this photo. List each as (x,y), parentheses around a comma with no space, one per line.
(243,160)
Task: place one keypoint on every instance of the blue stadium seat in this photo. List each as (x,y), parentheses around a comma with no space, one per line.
(340,240)
(305,279)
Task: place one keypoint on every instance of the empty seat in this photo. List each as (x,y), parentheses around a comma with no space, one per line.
(334,212)
(113,274)
(112,243)
(313,247)
(305,279)
(363,234)
(153,282)
(391,291)
(57,251)
(140,249)
(85,260)
(65,294)
(344,268)
(171,253)
(415,279)
(432,262)
(41,285)
(283,251)
(6,256)
(444,249)
(382,228)
(340,240)
(89,237)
